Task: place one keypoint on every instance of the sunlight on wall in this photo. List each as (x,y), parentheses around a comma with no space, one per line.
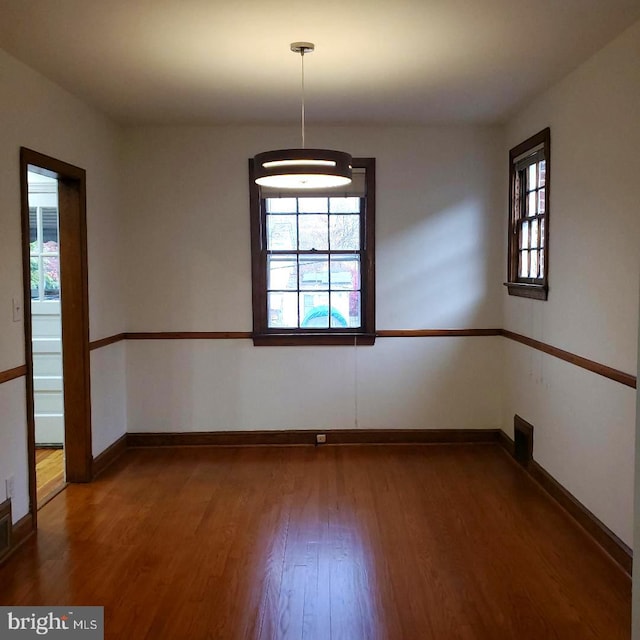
(444,279)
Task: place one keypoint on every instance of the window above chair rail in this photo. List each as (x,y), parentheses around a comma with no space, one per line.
(313,262)
(528,251)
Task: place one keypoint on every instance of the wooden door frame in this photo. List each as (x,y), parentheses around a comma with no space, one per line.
(75,315)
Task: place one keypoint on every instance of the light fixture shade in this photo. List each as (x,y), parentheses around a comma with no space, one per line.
(302,168)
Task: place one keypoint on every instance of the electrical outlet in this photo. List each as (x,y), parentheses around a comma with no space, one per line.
(9,486)
(17,310)
(321,438)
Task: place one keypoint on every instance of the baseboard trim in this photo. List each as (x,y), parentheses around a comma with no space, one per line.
(609,541)
(109,456)
(21,531)
(308,437)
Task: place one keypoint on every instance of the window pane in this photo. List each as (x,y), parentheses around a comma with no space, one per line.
(533,266)
(314,272)
(534,233)
(313,205)
(50,227)
(282,272)
(281,205)
(542,263)
(531,204)
(542,232)
(542,168)
(344,232)
(33,227)
(51,268)
(345,272)
(282,311)
(524,236)
(314,232)
(344,205)
(34,264)
(282,233)
(524,264)
(541,201)
(314,310)
(532,181)
(345,309)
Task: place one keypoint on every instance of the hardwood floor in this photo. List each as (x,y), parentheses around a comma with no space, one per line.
(49,473)
(351,542)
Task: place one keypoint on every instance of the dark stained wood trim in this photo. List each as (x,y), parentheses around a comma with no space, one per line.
(109,455)
(609,541)
(524,290)
(188,335)
(104,342)
(436,333)
(26,157)
(313,340)
(595,367)
(21,531)
(506,443)
(13,374)
(72,203)
(537,291)
(308,437)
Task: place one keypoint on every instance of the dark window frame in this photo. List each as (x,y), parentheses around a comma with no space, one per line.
(536,146)
(364,335)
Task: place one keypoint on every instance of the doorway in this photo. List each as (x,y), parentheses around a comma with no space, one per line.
(46,335)
(56,324)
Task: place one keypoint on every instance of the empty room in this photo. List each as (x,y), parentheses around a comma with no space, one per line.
(319,320)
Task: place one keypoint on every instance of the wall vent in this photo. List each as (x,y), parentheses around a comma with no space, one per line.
(523,441)
(5,528)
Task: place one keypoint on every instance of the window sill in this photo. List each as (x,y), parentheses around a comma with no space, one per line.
(313,339)
(525,290)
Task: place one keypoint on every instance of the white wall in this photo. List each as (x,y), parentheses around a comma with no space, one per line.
(584,424)
(37,114)
(438,236)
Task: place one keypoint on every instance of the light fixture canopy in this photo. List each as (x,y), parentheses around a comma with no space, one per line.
(302,168)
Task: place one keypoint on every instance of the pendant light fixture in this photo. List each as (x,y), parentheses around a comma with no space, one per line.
(302,168)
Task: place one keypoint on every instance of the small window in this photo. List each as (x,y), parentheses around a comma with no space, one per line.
(529,180)
(313,262)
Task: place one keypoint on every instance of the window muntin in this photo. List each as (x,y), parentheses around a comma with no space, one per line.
(528,217)
(313,274)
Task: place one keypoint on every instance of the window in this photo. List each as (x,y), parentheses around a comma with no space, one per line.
(529,173)
(44,256)
(313,262)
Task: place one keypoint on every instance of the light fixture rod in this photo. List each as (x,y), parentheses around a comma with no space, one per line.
(302,48)
(302,63)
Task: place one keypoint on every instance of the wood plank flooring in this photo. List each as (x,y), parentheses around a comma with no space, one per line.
(49,473)
(329,543)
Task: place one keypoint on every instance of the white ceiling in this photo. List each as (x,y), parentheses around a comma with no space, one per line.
(401,61)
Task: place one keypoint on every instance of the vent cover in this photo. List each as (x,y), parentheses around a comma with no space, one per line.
(5,528)
(523,440)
